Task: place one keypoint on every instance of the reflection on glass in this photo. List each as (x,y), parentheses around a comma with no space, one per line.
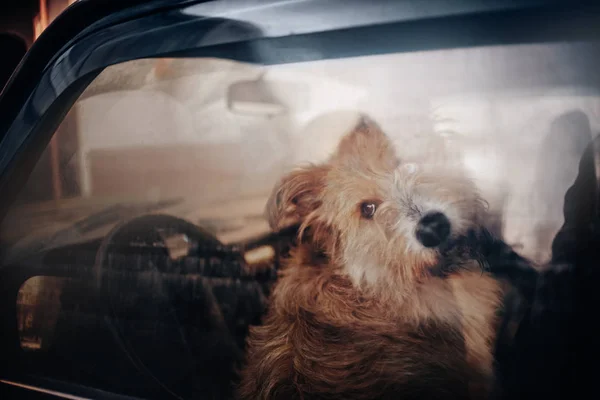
(205,140)
(38,307)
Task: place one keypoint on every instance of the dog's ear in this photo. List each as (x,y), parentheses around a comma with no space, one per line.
(295,196)
(367,142)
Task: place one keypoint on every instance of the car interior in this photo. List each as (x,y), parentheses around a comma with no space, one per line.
(145,255)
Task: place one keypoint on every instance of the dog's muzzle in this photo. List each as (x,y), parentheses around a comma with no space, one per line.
(433,229)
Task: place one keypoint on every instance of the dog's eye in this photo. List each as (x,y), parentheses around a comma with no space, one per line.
(367,209)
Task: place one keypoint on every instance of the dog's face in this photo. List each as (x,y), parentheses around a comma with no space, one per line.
(383,221)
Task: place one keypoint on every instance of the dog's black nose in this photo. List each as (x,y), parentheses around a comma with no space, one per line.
(433,229)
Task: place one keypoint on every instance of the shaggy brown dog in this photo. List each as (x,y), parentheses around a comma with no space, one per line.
(380,298)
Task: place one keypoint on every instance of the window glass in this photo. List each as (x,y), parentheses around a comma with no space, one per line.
(205,140)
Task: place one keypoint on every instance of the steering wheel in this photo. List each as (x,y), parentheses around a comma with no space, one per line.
(156,311)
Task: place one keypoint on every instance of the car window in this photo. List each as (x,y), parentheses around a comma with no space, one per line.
(205,140)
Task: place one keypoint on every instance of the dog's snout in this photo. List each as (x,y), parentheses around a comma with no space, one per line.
(433,229)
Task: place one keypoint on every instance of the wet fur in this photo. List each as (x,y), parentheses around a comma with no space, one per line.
(361,309)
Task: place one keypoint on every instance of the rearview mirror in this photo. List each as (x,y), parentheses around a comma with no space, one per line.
(266,98)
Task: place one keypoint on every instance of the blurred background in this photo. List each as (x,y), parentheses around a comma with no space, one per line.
(21,22)
(16,33)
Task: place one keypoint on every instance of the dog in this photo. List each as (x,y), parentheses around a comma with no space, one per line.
(394,288)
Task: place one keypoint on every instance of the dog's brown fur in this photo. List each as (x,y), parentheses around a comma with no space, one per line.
(357,312)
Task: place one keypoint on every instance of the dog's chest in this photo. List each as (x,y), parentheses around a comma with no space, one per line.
(468,302)
(478,298)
